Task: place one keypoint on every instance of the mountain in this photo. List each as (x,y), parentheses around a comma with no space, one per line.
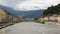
(8,9)
(29,14)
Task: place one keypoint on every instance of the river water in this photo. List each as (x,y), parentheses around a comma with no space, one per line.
(31,28)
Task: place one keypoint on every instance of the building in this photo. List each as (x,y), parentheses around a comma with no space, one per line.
(53,18)
(5,16)
(20,18)
(29,19)
(43,18)
(58,18)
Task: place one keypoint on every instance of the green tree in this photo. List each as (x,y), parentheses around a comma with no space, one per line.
(52,10)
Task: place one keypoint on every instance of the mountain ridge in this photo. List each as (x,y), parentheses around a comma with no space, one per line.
(29,14)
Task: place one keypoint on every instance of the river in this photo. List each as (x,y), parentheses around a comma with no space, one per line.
(31,28)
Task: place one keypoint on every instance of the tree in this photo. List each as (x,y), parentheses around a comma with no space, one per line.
(36,18)
(52,10)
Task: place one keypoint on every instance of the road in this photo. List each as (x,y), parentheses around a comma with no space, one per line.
(31,28)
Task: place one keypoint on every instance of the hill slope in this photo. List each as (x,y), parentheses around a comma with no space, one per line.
(52,10)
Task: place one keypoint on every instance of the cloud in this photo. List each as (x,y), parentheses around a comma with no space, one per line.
(11,3)
(29,4)
(37,4)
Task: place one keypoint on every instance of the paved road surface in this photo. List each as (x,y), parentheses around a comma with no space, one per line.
(31,28)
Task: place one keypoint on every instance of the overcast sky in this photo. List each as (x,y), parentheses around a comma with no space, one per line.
(29,4)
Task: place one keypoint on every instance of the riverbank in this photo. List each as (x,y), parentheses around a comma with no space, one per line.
(3,25)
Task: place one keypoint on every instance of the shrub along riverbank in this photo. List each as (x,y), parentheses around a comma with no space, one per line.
(39,21)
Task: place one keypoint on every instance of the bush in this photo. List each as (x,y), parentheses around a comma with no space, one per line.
(40,21)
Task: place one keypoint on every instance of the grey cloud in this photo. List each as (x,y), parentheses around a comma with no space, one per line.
(11,3)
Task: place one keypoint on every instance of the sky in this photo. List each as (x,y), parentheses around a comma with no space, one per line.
(29,4)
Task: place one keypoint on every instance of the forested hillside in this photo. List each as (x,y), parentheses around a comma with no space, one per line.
(52,10)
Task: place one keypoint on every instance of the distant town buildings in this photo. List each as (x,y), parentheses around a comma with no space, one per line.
(20,18)
(29,19)
(53,18)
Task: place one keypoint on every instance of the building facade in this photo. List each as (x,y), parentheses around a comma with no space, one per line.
(53,18)
(5,16)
